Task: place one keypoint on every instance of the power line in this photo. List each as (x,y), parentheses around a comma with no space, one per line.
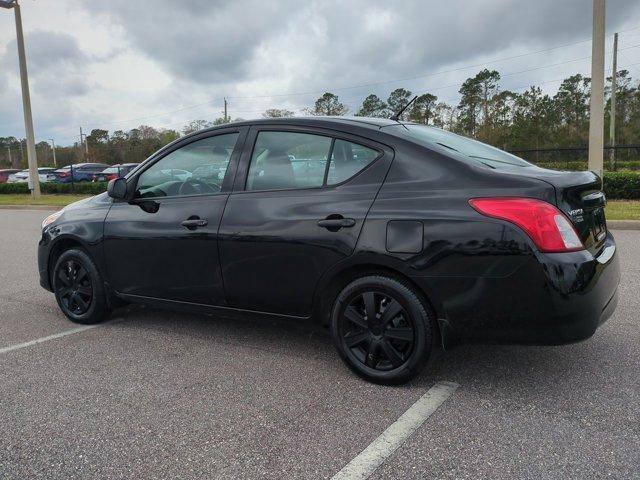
(124,122)
(350,87)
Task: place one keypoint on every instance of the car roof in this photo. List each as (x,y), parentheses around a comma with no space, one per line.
(314,121)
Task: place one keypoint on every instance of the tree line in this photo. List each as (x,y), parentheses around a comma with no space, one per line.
(507,119)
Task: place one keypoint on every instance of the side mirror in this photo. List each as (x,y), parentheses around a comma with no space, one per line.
(117,188)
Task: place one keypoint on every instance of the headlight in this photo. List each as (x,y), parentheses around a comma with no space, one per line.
(51,218)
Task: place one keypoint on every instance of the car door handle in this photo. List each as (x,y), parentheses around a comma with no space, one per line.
(336,223)
(193,223)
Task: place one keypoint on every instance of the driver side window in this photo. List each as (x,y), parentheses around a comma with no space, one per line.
(198,168)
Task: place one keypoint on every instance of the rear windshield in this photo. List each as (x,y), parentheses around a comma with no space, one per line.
(476,151)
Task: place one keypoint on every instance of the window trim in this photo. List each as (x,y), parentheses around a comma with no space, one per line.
(225,187)
(245,160)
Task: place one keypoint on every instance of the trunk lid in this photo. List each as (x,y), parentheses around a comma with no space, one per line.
(579,195)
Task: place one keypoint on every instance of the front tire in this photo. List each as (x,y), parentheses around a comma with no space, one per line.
(382,330)
(79,288)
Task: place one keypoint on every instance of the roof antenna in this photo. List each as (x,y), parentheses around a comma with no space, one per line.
(396,117)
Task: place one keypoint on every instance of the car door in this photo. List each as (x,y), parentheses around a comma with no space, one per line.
(299,202)
(164,244)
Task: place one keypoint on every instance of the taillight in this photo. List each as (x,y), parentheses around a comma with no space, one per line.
(547,226)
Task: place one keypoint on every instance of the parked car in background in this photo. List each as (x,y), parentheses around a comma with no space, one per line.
(79,172)
(114,171)
(6,172)
(45,174)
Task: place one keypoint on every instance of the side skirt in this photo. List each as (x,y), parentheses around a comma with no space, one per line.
(202,308)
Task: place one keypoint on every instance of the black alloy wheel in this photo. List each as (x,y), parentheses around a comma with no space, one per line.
(79,288)
(377,330)
(74,287)
(382,330)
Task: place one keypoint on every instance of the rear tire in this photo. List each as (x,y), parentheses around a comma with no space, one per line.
(79,288)
(382,330)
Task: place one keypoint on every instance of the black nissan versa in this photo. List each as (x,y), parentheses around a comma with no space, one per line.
(396,235)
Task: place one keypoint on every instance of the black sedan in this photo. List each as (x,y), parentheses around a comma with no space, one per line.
(397,236)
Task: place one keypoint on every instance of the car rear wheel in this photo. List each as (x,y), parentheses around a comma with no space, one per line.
(382,330)
(79,288)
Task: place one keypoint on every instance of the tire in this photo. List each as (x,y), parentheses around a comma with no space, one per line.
(79,288)
(393,348)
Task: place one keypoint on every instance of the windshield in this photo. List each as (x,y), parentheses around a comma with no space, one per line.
(477,151)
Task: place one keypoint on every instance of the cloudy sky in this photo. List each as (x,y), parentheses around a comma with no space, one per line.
(121,63)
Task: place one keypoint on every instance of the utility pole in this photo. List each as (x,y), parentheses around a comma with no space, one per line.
(34,182)
(10,161)
(226,119)
(86,145)
(53,147)
(596,119)
(612,110)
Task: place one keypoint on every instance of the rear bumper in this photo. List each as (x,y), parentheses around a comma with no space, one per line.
(551,299)
(585,296)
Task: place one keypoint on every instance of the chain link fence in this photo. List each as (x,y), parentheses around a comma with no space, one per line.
(627,157)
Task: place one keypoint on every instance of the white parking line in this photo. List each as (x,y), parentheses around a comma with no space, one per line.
(18,346)
(382,447)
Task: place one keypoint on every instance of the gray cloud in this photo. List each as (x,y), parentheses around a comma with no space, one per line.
(208,42)
(55,63)
(201,41)
(194,51)
(56,66)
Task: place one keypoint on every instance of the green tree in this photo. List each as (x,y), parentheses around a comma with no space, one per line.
(277,113)
(373,106)
(328,105)
(10,144)
(423,109)
(624,98)
(196,125)
(167,136)
(469,106)
(445,116)
(572,103)
(488,81)
(397,100)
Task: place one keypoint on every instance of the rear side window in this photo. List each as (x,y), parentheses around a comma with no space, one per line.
(290,160)
(283,160)
(347,159)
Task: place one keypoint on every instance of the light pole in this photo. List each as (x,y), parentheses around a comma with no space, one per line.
(596,117)
(53,147)
(34,180)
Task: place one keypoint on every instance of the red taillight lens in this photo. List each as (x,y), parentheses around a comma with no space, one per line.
(547,226)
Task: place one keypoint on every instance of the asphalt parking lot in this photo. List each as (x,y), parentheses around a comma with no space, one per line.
(156,394)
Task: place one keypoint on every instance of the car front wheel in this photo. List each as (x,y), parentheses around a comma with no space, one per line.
(382,330)
(79,288)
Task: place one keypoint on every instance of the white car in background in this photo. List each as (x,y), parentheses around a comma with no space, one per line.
(45,174)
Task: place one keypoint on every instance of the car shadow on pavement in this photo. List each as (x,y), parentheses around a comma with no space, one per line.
(530,371)
(555,378)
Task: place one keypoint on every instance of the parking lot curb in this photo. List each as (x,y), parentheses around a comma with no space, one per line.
(30,207)
(623,224)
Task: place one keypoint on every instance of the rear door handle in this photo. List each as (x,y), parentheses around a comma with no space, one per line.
(193,223)
(336,223)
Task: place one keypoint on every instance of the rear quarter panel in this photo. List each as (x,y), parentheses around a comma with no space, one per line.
(468,263)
